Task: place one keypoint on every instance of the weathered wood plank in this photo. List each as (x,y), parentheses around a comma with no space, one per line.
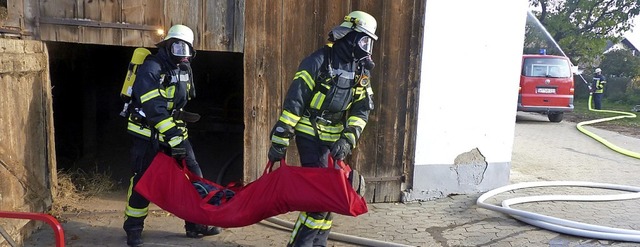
(413,75)
(59,9)
(262,74)
(223,20)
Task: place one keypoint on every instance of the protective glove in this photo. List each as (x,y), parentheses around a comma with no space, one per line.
(340,149)
(276,152)
(179,152)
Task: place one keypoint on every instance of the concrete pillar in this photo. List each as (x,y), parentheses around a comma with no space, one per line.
(468,94)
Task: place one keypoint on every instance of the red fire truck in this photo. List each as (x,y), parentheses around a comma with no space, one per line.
(546,86)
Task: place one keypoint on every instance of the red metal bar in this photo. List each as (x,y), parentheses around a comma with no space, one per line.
(57,228)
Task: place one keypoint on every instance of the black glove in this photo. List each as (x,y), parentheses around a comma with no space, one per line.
(277,152)
(179,152)
(340,149)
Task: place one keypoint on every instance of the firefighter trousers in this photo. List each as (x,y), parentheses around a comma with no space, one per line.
(311,228)
(142,154)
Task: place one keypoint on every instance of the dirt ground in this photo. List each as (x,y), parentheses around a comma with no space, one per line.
(611,126)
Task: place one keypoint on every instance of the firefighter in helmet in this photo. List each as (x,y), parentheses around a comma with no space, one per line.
(157,122)
(326,108)
(597,88)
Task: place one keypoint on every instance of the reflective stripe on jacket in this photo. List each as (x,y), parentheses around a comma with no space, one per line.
(156,93)
(307,97)
(598,83)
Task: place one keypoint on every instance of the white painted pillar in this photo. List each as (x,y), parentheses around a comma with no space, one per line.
(468,93)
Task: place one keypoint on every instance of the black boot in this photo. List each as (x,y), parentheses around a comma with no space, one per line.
(198,230)
(357,182)
(134,238)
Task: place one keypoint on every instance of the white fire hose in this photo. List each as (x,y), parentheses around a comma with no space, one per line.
(561,225)
(343,237)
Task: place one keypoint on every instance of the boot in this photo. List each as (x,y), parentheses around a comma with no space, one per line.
(357,182)
(134,238)
(198,230)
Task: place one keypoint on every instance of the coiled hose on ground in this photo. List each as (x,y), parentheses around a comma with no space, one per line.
(568,226)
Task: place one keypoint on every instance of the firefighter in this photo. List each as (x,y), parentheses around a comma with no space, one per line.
(597,88)
(157,122)
(326,108)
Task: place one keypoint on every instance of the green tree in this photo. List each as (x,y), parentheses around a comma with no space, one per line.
(583,27)
(620,63)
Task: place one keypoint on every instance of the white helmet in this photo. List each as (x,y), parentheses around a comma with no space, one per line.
(180,32)
(598,70)
(361,22)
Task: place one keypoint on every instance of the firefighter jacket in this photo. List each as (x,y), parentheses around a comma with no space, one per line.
(325,102)
(160,89)
(599,81)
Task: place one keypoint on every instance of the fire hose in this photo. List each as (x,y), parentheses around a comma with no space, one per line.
(568,226)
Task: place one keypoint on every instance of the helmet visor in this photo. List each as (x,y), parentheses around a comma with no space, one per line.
(366,44)
(180,49)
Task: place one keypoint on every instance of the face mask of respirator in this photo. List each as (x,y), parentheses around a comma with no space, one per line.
(180,52)
(363,51)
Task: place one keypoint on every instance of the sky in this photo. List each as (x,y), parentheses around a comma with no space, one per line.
(634,34)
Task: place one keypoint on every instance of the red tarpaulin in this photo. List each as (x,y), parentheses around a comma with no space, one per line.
(169,185)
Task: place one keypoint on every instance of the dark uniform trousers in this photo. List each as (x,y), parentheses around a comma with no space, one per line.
(142,154)
(306,232)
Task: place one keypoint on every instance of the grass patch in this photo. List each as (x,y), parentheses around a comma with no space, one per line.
(582,113)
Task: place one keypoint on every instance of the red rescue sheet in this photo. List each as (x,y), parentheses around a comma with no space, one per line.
(169,185)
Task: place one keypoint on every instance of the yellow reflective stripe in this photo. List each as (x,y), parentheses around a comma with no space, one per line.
(130,211)
(163,92)
(296,227)
(305,120)
(317,100)
(149,95)
(139,129)
(280,140)
(136,212)
(171,90)
(306,129)
(130,188)
(329,137)
(329,133)
(175,141)
(306,78)
(356,121)
(360,93)
(165,125)
(312,223)
(146,132)
(289,118)
(330,128)
(352,138)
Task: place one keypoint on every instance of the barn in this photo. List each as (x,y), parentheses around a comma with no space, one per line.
(63,63)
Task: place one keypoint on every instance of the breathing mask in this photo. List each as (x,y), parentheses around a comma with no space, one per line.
(180,51)
(363,50)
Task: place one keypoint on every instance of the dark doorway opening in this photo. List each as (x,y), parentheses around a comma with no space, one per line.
(91,135)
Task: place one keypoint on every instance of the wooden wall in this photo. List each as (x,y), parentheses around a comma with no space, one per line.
(27,160)
(274,36)
(279,34)
(218,24)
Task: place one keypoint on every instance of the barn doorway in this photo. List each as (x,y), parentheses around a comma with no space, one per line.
(91,135)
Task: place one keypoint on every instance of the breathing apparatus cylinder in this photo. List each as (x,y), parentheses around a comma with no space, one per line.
(139,54)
